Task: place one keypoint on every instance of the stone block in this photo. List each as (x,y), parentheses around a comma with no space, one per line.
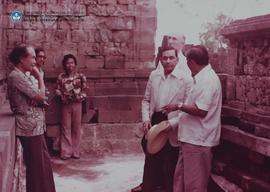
(70,48)
(103,35)
(114,62)
(118,10)
(34,9)
(252,142)
(89,22)
(107,1)
(230,120)
(231,111)
(88,116)
(94,62)
(256,118)
(90,49)
(121,36)
(257,158)
(109,49)
(89,131)
(100,102)
(88,2)
(262,130)
(230,87)
(116,116)
(58,36)
(148,23)
(247,126)
(120,23)
(145,37)
(94,9)
(146,55)
(104,138)
(146,45)
(53,130)
(79,36)
(14,6)
(117,102)
(104,10)
(124,131)
(116,89)
(14,37)
(246,181)
(7,147)
(126,2)
(232,58)
(6,22)
(32,36)
(55,59)
(146,10)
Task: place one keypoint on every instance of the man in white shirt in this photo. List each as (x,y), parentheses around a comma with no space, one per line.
(199,124)
(166,85)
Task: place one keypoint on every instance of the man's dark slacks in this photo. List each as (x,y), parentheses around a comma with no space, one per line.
(39,176)
(159,168)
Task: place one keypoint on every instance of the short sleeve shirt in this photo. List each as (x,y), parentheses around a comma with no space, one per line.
(206,94)
(71,88)
(29,119)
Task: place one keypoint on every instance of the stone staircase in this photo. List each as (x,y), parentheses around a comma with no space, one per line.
(244,154)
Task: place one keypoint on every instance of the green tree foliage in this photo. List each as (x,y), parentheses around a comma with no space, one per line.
(212,37)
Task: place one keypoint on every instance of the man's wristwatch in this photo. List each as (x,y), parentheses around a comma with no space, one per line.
(180,105)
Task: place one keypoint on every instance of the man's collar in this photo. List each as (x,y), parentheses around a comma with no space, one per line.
(201,73)
(176,72)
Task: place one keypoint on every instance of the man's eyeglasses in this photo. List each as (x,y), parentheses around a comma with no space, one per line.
(41,57)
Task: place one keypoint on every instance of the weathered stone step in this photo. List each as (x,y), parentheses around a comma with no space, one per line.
(225,185)
(253,123)
(244,180)
(234,135)
(122,137)
(107,137)
(246,115)
(116,102)
(109,109)
(117,108)
(117,88)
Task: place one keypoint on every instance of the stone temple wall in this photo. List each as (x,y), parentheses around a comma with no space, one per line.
(244,154)
(103,34)
(2,64)
(249,64)
(113,41)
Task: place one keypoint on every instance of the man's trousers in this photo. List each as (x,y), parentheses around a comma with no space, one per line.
(39,176)
(159,168)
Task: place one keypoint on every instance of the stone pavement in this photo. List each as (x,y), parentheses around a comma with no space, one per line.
(91,173)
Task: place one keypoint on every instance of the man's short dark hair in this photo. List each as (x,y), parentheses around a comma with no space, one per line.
(199,54)
(161,50)
(39,49)
(167,48)
(18,53)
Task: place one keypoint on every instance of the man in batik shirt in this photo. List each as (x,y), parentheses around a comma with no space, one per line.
(25,93)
